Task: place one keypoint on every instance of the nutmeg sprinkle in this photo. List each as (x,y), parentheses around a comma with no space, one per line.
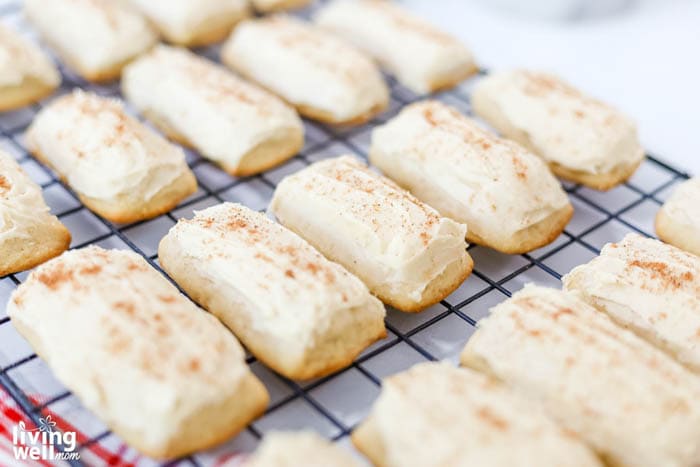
(447,119)
(55,276)
(321,49)
(662,272)
(351,177)
(5,184)
(254,231)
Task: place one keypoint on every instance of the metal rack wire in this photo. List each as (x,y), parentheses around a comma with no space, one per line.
(335,404)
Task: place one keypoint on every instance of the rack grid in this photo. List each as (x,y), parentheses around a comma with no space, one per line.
(332,405)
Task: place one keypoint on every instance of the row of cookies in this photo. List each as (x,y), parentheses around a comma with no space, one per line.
(580,138)
(441,156)
(613,357)
(447,160)
(142,87)
(604,372)
(78,135)
(504,193)
(576,135)
(444,158)
(98,38)
(314,60)
(605,397)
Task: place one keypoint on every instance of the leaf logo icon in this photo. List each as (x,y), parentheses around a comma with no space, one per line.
(46,424)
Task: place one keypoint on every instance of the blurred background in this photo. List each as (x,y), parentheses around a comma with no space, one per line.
(643,56)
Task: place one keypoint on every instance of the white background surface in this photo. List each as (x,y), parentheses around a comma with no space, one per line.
(644,59)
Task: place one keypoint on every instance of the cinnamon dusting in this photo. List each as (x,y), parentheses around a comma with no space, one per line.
(165,299)
(194,365)
(91,269)
(662,272)
(126,307)
(5,184)
(54,277)
(457,124)
(561,312)
(485,414)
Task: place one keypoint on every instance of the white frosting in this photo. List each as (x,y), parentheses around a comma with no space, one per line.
(650,287)
(223,116)
(295,292)
(128,344)
(296,448)
(101,151)
(593,377)
(683,206)
(419,54)
(93,35)
(20,59)
(21,204)
(181,20)
(558,122)
(306,66)
(371,226)
(494,186)
(436,415)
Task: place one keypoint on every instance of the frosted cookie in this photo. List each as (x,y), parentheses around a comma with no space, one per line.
(594,378)
(27,75)
(201,104)
(422,57)
(119,168)
(267,6)
(407,254)
(293,449)
(678,220)
(193,22)
(436,415)
(162,374)
(29,234)
(506,195)
(581,138)
(323,77)
(96,38)
(297,312)
(649,287)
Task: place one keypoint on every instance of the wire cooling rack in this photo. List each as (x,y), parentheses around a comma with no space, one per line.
(335,404)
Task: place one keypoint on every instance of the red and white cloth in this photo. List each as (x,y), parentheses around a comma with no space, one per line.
(96,454)
(105,453)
